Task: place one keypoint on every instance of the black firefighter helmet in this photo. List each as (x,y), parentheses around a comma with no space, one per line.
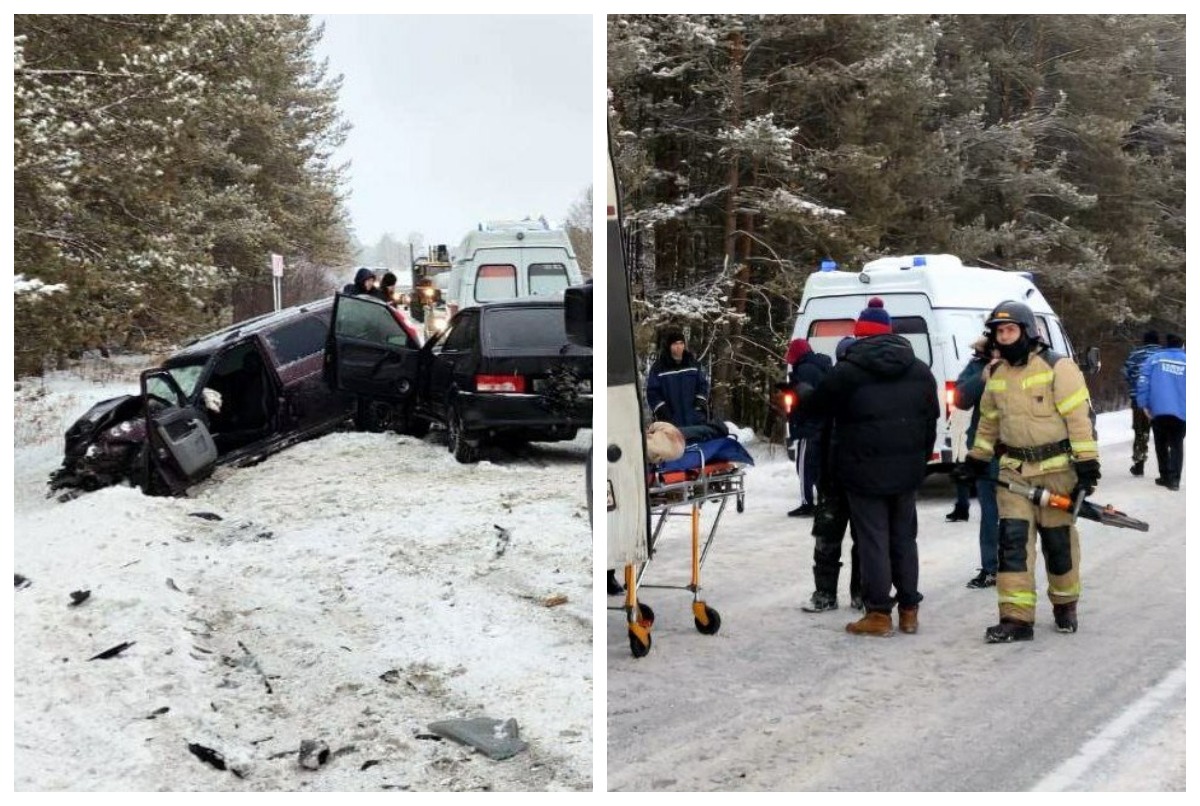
(1016,312)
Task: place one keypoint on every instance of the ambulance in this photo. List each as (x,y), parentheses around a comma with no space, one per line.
(939,305)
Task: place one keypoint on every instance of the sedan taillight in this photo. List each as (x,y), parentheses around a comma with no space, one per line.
(499,383)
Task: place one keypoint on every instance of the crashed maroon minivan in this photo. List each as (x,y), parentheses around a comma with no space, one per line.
(232,397)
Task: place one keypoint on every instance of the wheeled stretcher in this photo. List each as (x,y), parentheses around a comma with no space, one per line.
(708,472)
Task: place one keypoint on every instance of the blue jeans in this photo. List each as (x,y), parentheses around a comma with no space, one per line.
(989,521)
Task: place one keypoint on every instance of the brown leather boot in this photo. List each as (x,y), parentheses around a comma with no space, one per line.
(908,619)
(873,623)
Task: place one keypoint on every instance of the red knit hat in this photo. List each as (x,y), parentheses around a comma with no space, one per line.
(874,320)
(797,349)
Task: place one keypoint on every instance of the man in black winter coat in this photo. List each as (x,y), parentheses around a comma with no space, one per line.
(676,387)
(884,405)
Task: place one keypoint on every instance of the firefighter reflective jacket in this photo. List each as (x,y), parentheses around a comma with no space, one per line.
(1040,411)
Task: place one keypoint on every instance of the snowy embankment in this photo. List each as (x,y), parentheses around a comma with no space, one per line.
(354,589)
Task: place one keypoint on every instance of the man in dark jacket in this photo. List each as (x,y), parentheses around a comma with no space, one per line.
(364,282)
(884,405)
(970,389)
(806,367)
(677,388)
(1141,423)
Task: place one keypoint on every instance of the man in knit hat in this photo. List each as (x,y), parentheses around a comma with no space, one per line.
(884,404)
(1141,423)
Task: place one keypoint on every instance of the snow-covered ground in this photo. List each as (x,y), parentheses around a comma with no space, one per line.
(355,589)
(783,700)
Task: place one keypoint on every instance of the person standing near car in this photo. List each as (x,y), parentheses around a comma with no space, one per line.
(364,282)
(387,289)
(1162,396)
(969,388)
(806,367)
(1036,404)
(884,405)
(676,387)
(1141,424)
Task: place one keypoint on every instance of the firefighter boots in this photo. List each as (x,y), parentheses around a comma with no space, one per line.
(1064,617)
(1007,631)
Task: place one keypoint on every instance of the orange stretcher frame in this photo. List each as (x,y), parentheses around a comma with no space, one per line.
(682,493)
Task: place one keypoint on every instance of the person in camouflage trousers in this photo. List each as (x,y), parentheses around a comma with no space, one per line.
(1036,415)
(1141,423)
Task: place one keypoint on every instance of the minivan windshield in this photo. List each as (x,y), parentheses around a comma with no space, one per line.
(525,328)
(187,374)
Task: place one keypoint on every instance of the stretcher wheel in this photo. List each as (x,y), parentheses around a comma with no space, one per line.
(741,504)
(639,640)
(708,621)
(645,615)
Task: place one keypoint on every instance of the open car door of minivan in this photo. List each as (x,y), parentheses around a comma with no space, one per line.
(371,354)
(180,448)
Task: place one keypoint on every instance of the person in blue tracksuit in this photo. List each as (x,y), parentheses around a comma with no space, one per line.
(1162,395)
(676,387)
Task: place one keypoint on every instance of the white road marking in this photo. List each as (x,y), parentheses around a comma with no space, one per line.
(1106,741)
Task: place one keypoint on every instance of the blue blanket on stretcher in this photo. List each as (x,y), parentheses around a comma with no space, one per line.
(698,454)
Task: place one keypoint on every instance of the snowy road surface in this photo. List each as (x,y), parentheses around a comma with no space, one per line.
(780,699)
(354,590)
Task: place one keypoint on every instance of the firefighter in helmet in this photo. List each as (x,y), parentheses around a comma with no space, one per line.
(1035,414)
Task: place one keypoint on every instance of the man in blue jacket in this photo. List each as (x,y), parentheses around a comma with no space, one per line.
(1162,395)
(677,388)
(1141,425)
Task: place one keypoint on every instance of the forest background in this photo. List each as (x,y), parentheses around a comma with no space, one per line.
(750,148)
(159,162)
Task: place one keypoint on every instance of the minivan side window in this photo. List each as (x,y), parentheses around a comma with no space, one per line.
(369,321)
(495,281)
(298,339)
(547,278)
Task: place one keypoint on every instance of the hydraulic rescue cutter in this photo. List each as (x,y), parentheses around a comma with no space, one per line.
(1106,514)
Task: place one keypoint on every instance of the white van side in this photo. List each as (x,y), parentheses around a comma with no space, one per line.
(508,260)
(935,302)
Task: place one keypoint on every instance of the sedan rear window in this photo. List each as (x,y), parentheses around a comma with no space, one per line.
(517,328)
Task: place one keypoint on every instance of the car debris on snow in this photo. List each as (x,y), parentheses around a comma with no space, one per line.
(112,652)
(494,738)
(313,753)
(79,597)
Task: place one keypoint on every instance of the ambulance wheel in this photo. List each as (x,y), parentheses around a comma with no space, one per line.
(710,622)
(639,644)
(645,615)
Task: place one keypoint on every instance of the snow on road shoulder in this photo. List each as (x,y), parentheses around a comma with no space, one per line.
(354,589)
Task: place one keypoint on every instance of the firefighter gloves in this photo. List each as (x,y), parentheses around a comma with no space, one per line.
(1088,474)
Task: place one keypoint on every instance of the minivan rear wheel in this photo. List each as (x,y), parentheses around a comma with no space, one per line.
(463,450)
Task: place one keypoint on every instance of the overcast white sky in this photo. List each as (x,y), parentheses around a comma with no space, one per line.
(461,119)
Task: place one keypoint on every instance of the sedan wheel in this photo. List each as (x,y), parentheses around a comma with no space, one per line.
(463,450)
